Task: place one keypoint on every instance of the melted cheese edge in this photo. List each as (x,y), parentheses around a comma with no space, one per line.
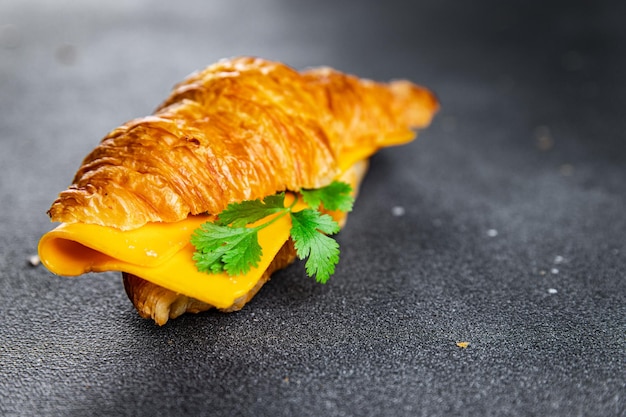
(162,253)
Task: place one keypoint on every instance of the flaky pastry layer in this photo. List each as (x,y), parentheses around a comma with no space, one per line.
(242,129)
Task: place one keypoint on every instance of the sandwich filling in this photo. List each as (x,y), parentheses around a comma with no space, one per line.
(162,252)
(157,252)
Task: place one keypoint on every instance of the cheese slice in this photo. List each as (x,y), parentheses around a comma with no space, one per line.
(158,252)
(162,253)
(350,157)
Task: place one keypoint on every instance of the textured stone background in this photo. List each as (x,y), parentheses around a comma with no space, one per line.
(503,225)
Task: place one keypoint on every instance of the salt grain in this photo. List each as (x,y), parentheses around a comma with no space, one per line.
(398,211)
(34,260)
(554,271)
(492,233)
(558,259)
(552,291)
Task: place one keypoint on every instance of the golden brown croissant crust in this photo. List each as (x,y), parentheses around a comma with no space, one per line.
(241,129)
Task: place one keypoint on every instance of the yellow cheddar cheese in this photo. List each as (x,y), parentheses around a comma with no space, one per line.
(158,252)
(350,157)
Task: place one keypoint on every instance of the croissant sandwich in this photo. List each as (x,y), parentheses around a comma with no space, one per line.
(246,166)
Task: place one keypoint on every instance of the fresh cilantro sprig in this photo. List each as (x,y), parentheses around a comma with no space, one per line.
(231,243)
(335,196)
(308,231)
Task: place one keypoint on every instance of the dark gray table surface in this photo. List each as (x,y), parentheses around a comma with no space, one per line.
(511,234)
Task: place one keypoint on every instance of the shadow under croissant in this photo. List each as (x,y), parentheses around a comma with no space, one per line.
(161,304)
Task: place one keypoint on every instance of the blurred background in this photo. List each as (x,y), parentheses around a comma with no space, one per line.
(502,225)
(549,69)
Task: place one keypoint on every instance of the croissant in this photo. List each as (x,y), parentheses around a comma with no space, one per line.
(241,129)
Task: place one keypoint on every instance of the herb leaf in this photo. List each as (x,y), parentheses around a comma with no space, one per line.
(308,233)
(250,211)
(231,244)
(246,254)
(335,196)
(223,248)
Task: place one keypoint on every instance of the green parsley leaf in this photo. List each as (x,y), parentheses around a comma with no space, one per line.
(246,254)
(250,211)
(223,248)
(308,233)
(335,196)
(229,246)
